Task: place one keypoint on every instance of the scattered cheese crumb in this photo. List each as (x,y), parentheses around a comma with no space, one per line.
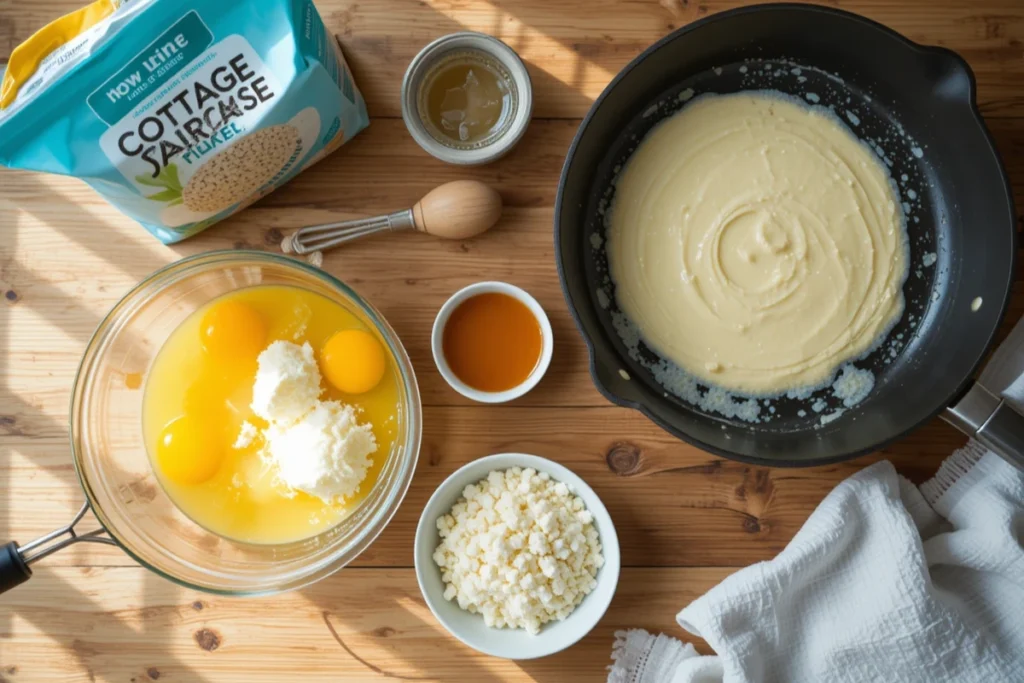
(246,434)
(853,385)
(518,548)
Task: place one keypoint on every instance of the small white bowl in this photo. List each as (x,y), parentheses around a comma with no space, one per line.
(437,342)
(508,643)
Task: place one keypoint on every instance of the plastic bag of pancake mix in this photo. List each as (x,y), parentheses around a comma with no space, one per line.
(179,112)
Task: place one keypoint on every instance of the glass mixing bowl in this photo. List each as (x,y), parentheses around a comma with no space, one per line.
(114,467)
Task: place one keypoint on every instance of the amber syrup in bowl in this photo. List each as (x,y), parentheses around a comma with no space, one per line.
(492,342)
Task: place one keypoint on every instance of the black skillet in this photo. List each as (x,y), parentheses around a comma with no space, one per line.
(917,106)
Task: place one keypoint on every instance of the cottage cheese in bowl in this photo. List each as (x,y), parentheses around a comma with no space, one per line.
(519,548)
(516,556)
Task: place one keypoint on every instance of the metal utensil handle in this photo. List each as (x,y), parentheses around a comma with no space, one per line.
(992,421)
(15,560)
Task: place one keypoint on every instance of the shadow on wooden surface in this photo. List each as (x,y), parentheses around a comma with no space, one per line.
(107,624)
(66,257)
(72,612)
(27,431)
(572,52)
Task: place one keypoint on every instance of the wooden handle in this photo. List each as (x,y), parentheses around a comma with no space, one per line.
(458,210)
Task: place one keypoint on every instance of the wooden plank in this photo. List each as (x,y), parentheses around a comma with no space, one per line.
(683,517)
(672,503)
(573,54)
(53,230)
(125,624)
(380,170)
(360,180)
(53,309)
(67,256)
(56,311)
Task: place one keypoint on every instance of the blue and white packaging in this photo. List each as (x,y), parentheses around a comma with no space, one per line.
(179,112)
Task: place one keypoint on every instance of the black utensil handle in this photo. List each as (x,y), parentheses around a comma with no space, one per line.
(15,559)
(14,570)
(992,421)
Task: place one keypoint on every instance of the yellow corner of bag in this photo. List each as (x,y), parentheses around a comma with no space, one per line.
(27,57)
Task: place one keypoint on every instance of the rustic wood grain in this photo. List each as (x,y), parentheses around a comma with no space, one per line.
(360,180)
(124,624)
(672,504)
(685,519)
(573,50)
(63,229)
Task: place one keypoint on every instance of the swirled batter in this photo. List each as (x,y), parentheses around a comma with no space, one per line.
(756,243)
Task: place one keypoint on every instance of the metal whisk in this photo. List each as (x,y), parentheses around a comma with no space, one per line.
(457,210)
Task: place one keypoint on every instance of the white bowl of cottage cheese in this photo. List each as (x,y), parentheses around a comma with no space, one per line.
(516,556)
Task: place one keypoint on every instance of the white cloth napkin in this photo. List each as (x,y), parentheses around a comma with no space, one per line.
(885,582)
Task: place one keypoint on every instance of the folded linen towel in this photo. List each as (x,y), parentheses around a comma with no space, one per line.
(884,582)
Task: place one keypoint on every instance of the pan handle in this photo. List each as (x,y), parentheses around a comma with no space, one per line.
(15,559)
(992,421)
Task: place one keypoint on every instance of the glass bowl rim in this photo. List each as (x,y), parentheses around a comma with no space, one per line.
(413,437)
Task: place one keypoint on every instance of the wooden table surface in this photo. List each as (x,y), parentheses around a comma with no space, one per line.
(685,518)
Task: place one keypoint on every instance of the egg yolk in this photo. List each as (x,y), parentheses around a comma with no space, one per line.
(353,361)
(188,451)
(231,329)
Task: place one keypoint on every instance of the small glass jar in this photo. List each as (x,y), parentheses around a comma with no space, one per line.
(499,68)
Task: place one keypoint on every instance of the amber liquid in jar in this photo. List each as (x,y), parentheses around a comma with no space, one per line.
(467,99)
